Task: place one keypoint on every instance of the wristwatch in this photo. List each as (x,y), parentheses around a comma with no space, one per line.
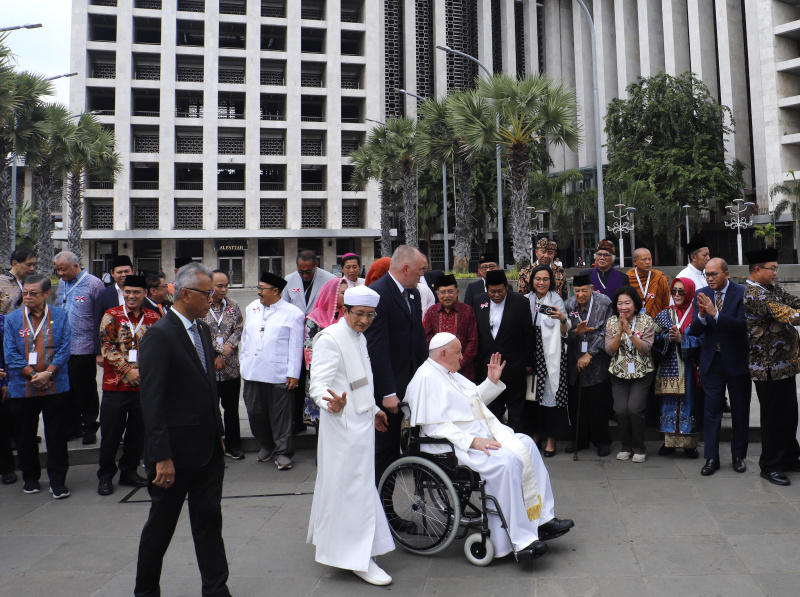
(31,375)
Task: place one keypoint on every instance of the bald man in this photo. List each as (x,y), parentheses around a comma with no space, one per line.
(651,284)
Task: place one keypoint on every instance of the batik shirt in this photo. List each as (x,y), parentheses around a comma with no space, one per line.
(597,370)
(525,284)
(116,342)
(462,324)
(226,323)
(10,293)
(771,314)
(627,352)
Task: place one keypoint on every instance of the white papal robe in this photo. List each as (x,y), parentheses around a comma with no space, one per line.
(348,525)
(440,405)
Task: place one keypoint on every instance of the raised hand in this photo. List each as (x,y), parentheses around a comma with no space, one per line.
(336,403)
(583,327)
(495,367)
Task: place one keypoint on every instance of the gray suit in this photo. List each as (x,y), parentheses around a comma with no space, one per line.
(294,292)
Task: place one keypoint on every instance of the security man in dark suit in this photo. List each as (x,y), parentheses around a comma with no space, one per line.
(184,452)
(487,263)
(505,325)
(719,313)
(396,344)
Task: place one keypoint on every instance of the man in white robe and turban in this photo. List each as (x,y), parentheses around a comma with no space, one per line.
(447,405)
(348,525)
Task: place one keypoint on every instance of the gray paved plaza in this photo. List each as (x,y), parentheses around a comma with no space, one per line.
(657,528)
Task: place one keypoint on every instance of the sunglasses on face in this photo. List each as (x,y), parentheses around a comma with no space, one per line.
(678,291)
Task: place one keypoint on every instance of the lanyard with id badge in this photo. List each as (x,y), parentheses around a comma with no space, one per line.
(585,344)
(219,340)
(133,353)
(629,344)
(33,356)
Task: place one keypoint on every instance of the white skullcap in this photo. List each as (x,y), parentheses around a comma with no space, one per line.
(361,296)
(441,339)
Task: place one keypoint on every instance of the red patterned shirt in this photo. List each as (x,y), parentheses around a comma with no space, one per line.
(459,322)
(116,343)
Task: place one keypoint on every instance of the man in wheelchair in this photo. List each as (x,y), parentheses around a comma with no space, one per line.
(447,405)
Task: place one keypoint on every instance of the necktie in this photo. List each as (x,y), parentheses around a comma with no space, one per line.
(198,345)
(719,308)
(407,295)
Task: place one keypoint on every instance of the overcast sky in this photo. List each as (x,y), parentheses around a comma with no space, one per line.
(44,50)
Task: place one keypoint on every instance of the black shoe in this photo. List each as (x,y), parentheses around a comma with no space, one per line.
(739,465)
(554,528)
(711,467)
(792,468)
(603,450)
(536,549)
(31,487)
(89,437)
(550,453)
(776,478)
(691,453)
(234,453)
(59,492)
(105,487)
(132,479)
(665,451)
(9,478)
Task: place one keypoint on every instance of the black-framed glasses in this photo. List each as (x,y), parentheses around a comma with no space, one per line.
(208,293)
(712,275)
(305,271)
(602,255)
(772,269)
(265,288)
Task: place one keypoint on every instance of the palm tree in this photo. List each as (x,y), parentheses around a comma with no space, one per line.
(364,170)
(531,111)
(567,210)
(790,203)
(768,233)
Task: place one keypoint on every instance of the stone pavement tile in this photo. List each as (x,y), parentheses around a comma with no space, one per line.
(728,585)
(678,518)
(655,467)
(623,586)
(398,563)
(98,555)
(452,563)
(343,583)
(792,492)
(270,586)
(767,554)
(741,490)
(778,585)
(485,587)
(13,494)
(593,520)
(587,557)
(582,492)
(686,556)
(11,512)
(19,552)
(566,469)
(54,518)
(691,468)
(118,520)
(275,555)
(766,518)
(237,521)
(634,491)
(63,584)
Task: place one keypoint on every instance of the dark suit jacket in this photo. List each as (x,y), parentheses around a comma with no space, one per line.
(514,341)
(474,289)
(106,299)
(180,403)
(729,331)
(151,306)
(395,340)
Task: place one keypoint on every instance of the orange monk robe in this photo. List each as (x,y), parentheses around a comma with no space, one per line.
(657,298)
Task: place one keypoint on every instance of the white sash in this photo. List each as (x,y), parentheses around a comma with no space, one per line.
(361,389)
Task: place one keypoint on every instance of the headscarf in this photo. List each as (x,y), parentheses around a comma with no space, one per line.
(687,302)
(377,270)
(324,313)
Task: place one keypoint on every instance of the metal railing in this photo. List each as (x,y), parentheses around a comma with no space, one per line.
(230,186)
(273,186)
(312,186)
(189,74)
(188,186)
(191,5)
(147,73)
(268,78)
(144,185)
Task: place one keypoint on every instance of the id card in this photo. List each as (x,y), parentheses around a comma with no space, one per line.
(220,340)
(631,368)
(643,311)
(133,355)
(584,347)
(33,358)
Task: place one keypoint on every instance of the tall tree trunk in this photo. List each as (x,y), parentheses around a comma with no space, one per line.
(75,215)
(520,218)
(410,209)
(6,240)
(386,239)
(462,244)
(47,189)
(796,239)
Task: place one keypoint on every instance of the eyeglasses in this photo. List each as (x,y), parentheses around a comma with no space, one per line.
(261,289)
(542,280)
(208,293)
(31,292)
(447,292)
(304,272)
(772,269)
(489,266)
(602,255)
(712,275)
(361,315)
(678,292)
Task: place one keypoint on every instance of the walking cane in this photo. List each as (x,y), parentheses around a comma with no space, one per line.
(578,417)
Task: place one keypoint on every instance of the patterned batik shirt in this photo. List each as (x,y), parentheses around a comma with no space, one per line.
(525,283)
(10,293)
(627,352)
(771,314)
(597,370)
(462,324)
(226,323)
(116,342)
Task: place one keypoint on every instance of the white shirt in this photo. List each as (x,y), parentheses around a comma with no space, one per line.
(714,300)
(120,295)
(496,316)
(272,342)
(695,275)
(425,296)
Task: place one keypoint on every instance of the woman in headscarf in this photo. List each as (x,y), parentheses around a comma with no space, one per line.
(378,268)
(676,375)
(327,311)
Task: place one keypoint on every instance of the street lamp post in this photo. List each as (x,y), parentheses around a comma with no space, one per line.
(687,208)
(25,26)
(539,230)
(500,235)
(621,224)
(598,145)
(444,194)
(739,221)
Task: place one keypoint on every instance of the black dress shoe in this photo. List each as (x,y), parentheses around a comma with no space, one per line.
(665,451)
(776,478)
(132,479)
(739,465)
(711,467)
(603,450)
(550,453)
(9,478)
(691,453)
(554,528)
(105,487)
(536,549)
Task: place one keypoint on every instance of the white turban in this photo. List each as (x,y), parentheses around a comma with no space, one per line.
(441,339)
(361,296)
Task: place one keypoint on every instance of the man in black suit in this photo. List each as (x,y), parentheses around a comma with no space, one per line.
(157,291)
(505,325)
(718,311)
(184,453)
(109,297)
(488,263)
(396,344)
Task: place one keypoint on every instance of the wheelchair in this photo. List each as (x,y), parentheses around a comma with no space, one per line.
(430,501)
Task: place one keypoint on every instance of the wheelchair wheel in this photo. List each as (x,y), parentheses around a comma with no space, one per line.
(477,553)
(421,505)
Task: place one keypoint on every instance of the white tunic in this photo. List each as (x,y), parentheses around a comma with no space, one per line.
(502,470)
(695,275)
(272,342)
(348,525)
